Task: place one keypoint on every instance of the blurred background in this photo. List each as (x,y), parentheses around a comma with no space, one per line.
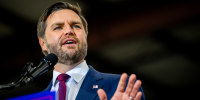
(156,40)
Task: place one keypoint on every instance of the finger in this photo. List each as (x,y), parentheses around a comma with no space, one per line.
(102,95)
(138,96)
(136,87)
(130,84)
(122,83)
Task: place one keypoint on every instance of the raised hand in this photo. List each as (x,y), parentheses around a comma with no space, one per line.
(131,91)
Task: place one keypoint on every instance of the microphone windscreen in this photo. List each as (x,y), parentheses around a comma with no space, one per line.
(51,58)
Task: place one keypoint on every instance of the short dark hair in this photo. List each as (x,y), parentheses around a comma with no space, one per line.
(41,26)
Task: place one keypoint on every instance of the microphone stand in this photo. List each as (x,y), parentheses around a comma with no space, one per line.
(22,80)
(30,72)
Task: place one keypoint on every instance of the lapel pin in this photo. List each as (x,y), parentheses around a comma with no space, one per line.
(95,86)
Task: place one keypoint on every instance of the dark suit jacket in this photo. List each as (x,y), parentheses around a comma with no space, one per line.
(107,82)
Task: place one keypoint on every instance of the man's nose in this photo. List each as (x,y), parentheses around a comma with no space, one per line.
(69,31)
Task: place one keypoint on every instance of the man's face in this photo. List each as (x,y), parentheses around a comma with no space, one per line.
(65,36)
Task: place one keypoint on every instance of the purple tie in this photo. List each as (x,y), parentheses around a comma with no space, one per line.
(62,78)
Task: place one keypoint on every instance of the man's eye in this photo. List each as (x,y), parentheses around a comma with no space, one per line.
(57,28)
(76,26)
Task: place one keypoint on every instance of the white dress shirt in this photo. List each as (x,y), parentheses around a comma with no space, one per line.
(73,84)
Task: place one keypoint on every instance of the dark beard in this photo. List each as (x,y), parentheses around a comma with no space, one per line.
(65,57)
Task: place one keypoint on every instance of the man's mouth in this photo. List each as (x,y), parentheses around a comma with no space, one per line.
(69,41)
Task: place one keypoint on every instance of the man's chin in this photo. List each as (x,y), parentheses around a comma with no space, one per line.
(69,46)
(70,51)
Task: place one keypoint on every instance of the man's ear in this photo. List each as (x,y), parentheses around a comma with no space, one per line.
(42,44)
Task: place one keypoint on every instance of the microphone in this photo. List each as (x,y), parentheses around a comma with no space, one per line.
(47,63)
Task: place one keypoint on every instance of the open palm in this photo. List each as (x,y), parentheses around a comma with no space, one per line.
(131,91)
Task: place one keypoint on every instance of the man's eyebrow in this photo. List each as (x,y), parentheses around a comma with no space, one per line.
(57,24)
(75,22)
(61,23)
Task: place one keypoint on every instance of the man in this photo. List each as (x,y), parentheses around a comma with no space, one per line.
(62,30)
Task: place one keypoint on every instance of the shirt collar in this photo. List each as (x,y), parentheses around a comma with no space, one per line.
(77,73)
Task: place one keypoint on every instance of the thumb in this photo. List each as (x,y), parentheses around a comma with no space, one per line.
(102,95)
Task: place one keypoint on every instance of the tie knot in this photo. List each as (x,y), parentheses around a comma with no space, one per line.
(63,77)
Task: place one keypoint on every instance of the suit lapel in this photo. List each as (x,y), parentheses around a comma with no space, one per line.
(90,85)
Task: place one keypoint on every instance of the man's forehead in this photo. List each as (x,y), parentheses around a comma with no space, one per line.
(62,15)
